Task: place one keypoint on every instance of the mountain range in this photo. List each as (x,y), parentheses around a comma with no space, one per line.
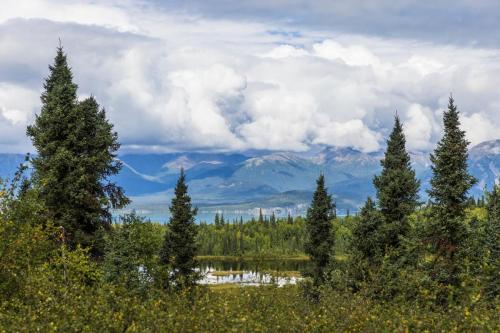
(239,184)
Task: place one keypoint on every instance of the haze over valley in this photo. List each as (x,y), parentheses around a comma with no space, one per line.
(240,184)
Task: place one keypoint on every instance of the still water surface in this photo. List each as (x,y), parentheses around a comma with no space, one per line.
(252,272)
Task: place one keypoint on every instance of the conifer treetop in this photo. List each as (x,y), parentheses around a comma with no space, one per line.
(320,238)
(451,180)
(397,186)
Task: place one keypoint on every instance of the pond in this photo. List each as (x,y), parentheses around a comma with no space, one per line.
(252,272)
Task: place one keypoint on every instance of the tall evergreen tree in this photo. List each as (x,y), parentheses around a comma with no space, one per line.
(367,245)
(366,235)
(320,238)
(448,193)
(179,247)
(397,187)
(261,217)
(492,244)
(272,219)
(217,220)
(76,149)
(97,144)
(451,181)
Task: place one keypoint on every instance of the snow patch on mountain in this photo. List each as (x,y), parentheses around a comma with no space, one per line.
(142,175)
(345,156)
(486,148)
(211,162)
(494,170)
(180,162)
(272,158)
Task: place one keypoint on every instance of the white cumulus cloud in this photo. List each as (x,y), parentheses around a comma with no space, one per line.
(181,81)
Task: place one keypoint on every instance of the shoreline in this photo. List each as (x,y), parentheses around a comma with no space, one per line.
(301,257)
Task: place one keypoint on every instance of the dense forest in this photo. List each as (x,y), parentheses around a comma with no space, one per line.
(399,265)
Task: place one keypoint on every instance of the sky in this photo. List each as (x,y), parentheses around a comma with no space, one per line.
(207,75)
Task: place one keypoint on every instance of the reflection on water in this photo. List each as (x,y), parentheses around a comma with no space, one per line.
(247,279)
(252,272)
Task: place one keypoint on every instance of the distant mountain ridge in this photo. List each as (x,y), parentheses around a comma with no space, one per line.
(235,181)
(279,180)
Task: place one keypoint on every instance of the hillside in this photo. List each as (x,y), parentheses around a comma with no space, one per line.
(239,184)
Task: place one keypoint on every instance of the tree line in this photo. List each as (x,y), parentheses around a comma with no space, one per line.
(392,242)
(262,237)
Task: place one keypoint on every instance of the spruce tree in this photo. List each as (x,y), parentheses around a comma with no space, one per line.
(397,187)
(272,220)
(451,181)
(97,144)
(448,196)
(217,220)
(179,247)
(366,235)
(76,150)
(320,240)
(492,244)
